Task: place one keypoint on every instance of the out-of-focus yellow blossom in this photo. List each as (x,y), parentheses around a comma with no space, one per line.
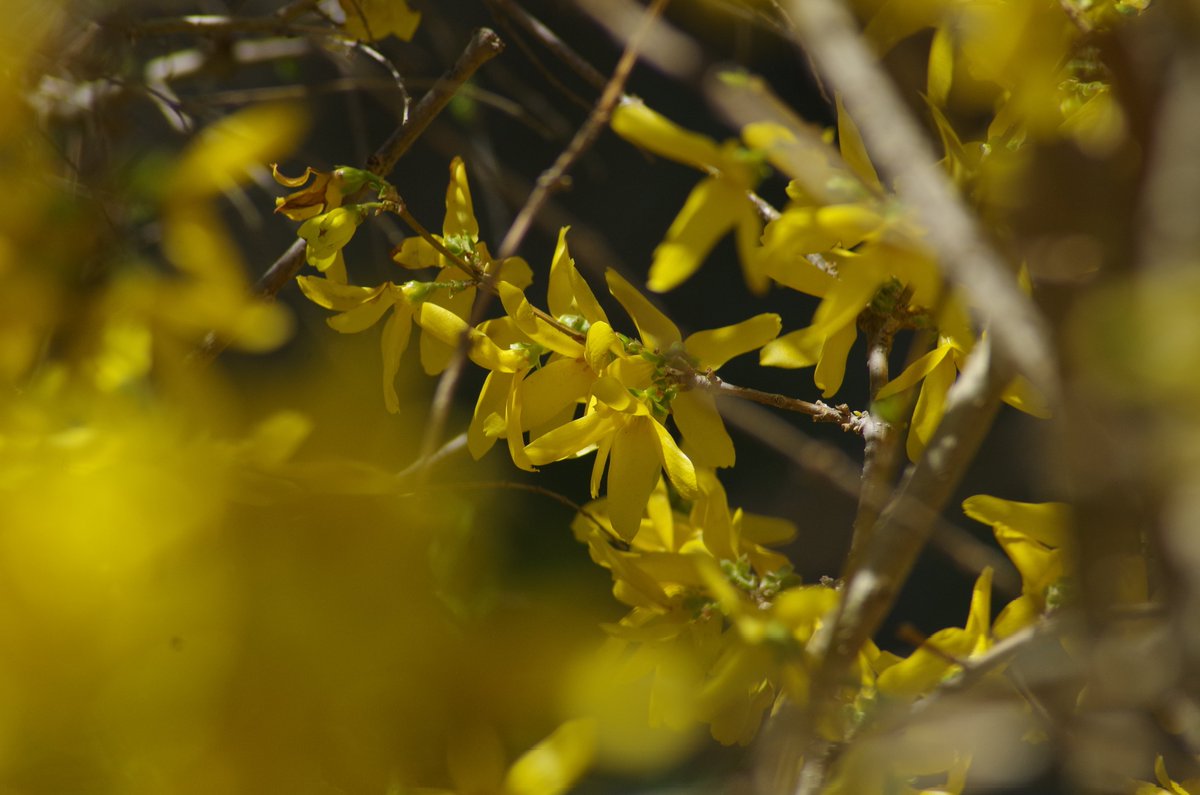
(925,668)
(694,410)
(460,235)
(717,205)
(722,638)
(551,767)
(215,295)
(1037,538)
(371,20)
(1166,785)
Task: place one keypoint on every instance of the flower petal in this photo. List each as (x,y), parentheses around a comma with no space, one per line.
(643,127)
(831,367)
(460,211)
(493,400)
(678,466)
(633,472)
(713,348)
(571,439)
(554,387)
(568,293)
(396,333)
(931,405)
(655,328)
(696,415)
(712,209)
(339,297)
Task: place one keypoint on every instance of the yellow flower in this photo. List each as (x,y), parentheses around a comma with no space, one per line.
(926,667)
(371,20)
(694,410)
(360,308)
(327,234)
(718,205)
(1037,538)
(620,427)
(546,397)
(1166,784)
(460,235)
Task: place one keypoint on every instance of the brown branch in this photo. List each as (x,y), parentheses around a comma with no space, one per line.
(819,411)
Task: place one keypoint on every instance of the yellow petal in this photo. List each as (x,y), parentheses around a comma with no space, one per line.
(371,20)
(554,765)
(940,73)
(1048,523)
(493,400)
(416,253)
(448,328)
(568,293)
(915,372)
(601,346)
(538,330)
(516,439)
(554,387)
(712,209)
(678,466)
(633,470)
(801,348)
(361,317)
(639,125)
(460,211)
(396,333)
(332,295)
(655,328)
(831,366)
(854,152)
(696,415)
(571,439)
(1023,395)
(931,405)
(715,347)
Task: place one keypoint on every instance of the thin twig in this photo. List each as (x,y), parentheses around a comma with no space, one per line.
(819,411)
(560,49)
(552,178)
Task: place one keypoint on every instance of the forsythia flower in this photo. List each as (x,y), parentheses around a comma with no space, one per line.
(716,206)
(1037,538)
(327,234)
(1166,785)
(723,636)
(635,446)
(460,235)
(694,410)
